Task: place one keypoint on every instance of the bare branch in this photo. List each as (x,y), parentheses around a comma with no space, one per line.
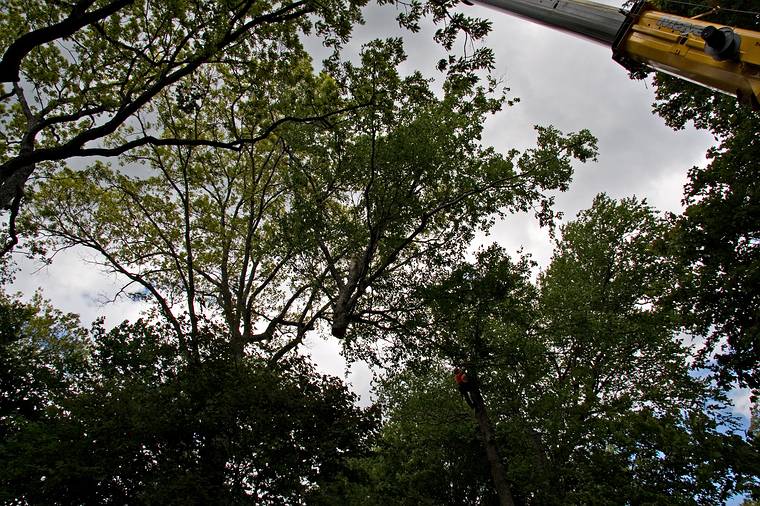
(277,320)
(300,334)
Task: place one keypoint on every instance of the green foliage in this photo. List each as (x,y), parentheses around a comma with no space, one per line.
(117,64)
(716,240)
(87,79)
(623,395)
(479,310)
(43,353)
(589,388)
(429,451)
(276,201)
(408,192)
(272,200)
(126,419)
(340,216)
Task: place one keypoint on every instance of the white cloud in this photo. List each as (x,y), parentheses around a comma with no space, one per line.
(326,353)
(75,285)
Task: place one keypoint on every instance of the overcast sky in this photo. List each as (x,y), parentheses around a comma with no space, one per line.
(561,80)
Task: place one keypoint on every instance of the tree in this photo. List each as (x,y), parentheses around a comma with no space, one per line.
(330,212)
(122,417)
(716,241)
(471,316)
(464,309)
(208,228)
(589,389)
(43,359)
(84,77)
(716,237)
(620,374)
(429,450)
(43,355)
(415,188)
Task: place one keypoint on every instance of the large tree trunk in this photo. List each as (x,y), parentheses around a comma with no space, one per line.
(492,453)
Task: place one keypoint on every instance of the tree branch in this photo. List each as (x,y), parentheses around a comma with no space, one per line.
(75,146)
(12,233)
(11,63)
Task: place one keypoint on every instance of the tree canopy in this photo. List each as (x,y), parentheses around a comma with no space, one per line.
(588,384)
(336,217)
(119,416)
(83,79)
(254,199)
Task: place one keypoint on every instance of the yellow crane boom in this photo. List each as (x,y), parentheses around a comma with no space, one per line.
(716,56)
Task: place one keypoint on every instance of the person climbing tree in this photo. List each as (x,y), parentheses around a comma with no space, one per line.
(465,386)
(468,387)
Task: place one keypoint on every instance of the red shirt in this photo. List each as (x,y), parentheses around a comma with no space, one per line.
(460,378)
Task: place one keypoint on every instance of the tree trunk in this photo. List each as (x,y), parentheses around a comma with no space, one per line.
(492,453)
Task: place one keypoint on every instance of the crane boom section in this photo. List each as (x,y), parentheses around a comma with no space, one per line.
(590,20)
(676,45)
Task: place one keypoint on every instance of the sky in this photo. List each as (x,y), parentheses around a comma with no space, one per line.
(561,80)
